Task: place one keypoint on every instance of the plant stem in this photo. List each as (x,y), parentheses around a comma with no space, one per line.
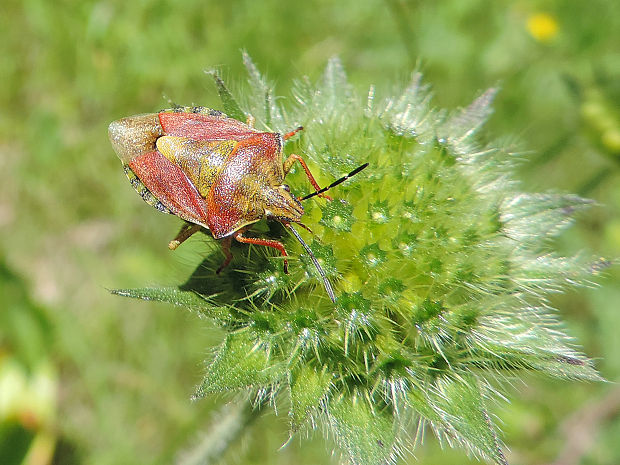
(228,425)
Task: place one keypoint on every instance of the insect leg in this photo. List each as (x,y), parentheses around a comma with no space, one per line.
(186,231)
(288,135)
(288,163)
(266,242)
(226,249)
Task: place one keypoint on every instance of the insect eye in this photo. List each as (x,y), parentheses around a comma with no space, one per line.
(286,188)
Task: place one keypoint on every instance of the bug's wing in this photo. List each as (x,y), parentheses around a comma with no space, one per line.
(160,182)
(170,186)
(200,160)
(230,209)
(201,126)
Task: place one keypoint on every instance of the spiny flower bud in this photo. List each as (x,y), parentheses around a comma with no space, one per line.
(441,269)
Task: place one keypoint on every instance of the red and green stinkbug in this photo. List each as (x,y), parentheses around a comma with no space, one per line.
(214,172)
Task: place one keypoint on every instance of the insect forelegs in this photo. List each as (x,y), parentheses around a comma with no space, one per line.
(266,242)
(226,249)
(288,163)
(239,237)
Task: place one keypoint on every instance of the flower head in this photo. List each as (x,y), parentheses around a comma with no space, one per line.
(440,265)
(542,26)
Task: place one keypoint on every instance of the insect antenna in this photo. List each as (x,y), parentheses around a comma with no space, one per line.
(336,182)
(326,283)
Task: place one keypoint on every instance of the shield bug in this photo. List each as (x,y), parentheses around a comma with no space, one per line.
(215,173)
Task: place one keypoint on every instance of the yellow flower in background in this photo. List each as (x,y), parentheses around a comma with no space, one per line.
(542,27)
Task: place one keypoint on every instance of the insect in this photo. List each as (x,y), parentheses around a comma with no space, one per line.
(216,173)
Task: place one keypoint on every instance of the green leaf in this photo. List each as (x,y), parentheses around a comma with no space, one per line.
(461,128)
(231,107)
(269,112)
(241,362)
(335,86)
(308,387)
(533,346)
(172,295)
(26,330)
(566,365)
(532,217)
(455,409)
(366,436)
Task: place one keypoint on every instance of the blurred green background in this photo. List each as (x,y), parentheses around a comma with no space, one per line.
(86,377)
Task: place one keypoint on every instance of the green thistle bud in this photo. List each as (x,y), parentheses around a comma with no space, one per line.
(440,267)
